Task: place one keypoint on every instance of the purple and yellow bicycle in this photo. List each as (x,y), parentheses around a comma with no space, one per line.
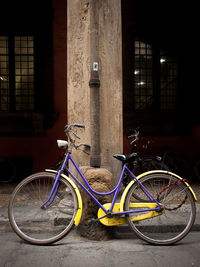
(159,206)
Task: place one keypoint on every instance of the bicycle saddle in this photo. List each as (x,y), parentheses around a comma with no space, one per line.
(125,158)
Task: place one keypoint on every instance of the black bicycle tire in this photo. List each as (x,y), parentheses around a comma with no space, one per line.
(173,240)
(19,232)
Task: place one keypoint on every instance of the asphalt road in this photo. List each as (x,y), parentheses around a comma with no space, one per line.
(74,251)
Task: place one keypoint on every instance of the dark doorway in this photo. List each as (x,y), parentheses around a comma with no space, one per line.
(161,63)
(161,89)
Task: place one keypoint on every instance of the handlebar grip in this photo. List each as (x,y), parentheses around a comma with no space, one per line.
(78,125)
(87,145)
(68,127)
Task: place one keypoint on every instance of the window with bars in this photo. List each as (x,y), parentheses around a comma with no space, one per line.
(143,82)
(17,82)
(168,81)
(155,78)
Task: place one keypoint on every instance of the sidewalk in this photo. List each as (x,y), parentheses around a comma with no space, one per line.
(5,191)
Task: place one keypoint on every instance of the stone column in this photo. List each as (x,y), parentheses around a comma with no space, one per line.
(94,83)
(79,60)
(110,53)
(78,71)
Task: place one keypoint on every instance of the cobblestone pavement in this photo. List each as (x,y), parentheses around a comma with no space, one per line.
(73,251)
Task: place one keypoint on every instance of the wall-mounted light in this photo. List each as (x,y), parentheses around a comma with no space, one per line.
(162,60)
(136,72)
(141,83)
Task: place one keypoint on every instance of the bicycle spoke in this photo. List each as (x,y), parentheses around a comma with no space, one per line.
(37,225)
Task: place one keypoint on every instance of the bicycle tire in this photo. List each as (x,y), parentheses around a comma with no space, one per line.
(179,210)
(42,226)
(7,171)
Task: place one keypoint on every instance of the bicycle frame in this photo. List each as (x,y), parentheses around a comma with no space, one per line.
(88,189)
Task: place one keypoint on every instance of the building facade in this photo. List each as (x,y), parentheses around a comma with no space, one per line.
(112,65)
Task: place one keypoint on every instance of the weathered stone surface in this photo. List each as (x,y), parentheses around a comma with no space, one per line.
(101,180)
(99,175)
(79,62)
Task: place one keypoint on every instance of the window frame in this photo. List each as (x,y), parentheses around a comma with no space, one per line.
(155,121)
(147,87)
(14,93)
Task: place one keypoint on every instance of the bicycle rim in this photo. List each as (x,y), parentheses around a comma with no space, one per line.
(37,225)
(179,209)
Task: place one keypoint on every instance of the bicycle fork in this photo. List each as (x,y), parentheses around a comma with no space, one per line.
(54,190)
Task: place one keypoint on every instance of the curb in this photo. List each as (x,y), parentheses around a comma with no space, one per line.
(126,232)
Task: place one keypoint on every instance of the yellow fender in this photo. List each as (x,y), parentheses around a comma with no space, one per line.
(144,174)
(80,203)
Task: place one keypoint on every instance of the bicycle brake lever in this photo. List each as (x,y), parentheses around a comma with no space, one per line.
(75,134)
(86,145)
(85,152)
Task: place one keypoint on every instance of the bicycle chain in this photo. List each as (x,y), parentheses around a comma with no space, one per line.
(173,183)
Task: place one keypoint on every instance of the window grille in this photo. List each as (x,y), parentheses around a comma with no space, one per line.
(4,74)
(155,78)
(143,86)
(16,73)
(168,81)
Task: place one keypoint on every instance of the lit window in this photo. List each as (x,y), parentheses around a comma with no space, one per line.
(155,78)
(17,73)
(143,87)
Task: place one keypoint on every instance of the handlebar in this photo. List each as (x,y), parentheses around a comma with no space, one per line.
(86,146)
(135,135)
(69,126)
(68,129)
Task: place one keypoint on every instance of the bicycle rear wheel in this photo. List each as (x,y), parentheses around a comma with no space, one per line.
(179,209)
(42,225)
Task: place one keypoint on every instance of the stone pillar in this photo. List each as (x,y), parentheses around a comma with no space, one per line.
(79,62)
(94,83)
(110,53)
(78,71)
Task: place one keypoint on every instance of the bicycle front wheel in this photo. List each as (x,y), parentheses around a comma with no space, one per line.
(42,225)
(177,217)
